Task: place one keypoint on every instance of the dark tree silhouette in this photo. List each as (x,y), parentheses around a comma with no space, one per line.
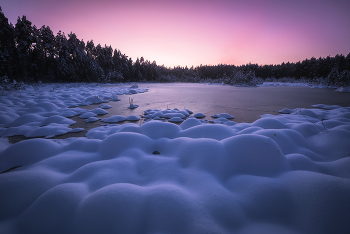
(31,54)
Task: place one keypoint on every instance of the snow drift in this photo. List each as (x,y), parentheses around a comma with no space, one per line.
(281,174)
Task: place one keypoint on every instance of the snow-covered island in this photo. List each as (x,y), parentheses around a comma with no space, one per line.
(287,173)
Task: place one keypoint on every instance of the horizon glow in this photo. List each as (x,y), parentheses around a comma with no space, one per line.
(195,32)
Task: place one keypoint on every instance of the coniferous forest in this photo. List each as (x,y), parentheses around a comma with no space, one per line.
(31,54)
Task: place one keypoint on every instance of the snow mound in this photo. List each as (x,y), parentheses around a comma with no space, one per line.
(92,119)
(93,100)
(115,99)
(222,120)
(199,115)
(222,115)
(47,104)
(286,111)
(175,115)
(133,118)
(77,130)
(51,129)
(164,177)
(176,120)
(114,119)
(57,119)
(133,106)
(7,116)
(189,123)
(280,174)
(326,107)
(68,113)
(43,107)
(87,115)
(105,106)
(24,119)
(99,111)
(343,89)
(4,143)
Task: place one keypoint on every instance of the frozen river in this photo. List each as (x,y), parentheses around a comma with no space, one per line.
(246,104)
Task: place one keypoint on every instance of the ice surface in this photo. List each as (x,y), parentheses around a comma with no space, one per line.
(287,173)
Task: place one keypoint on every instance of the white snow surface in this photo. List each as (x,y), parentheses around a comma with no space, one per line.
(281,174)
(114,119)
(344,89)
(308,85)
(293,84)
(44,111)
(92,119)
(199,115)
(223,115)
(132,118)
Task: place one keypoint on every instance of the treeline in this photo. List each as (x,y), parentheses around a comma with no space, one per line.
(334,71)
(32,54)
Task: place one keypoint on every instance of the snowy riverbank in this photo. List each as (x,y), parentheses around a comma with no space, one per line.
(280,174)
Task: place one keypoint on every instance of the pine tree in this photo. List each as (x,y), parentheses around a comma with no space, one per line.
(24,37)
(46,47)
(333,77)
(344,78)
(7,47)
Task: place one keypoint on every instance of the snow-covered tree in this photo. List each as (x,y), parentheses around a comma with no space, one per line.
(333,77)
(344,78)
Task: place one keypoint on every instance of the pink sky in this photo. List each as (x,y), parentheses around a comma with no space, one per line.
(195,32)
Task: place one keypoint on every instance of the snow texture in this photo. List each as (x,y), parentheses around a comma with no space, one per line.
(281,174)
(199,115)
(114,119)
(92,119)
(133,106)
(44,111)
(344,89)
(133,118)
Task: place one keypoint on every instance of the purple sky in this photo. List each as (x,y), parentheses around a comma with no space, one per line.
(194,32)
